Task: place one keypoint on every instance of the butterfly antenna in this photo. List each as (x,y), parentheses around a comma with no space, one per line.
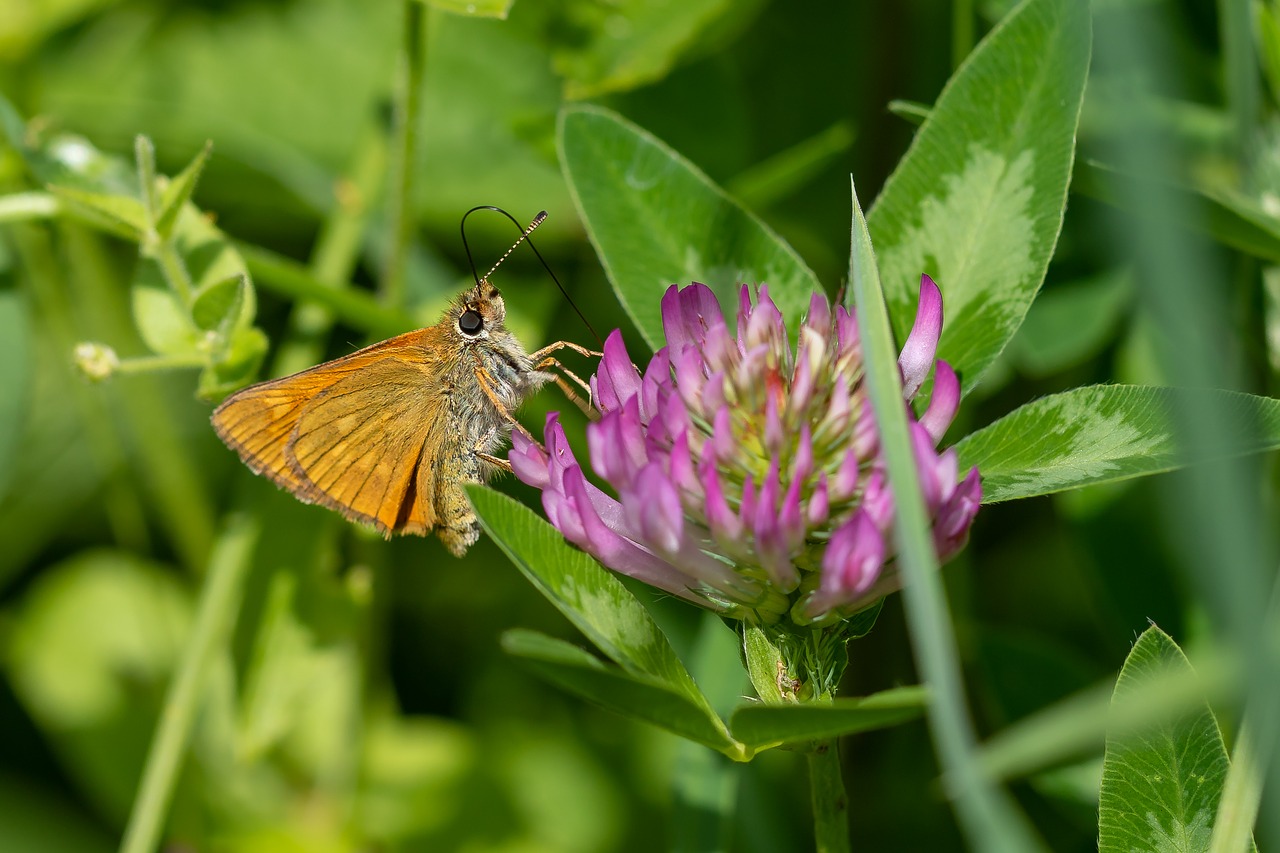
(524,238)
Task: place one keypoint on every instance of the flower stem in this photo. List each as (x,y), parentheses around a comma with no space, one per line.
(830,805)
(157,363)
(287,277)
(228,564)
(336,252)
(408,96)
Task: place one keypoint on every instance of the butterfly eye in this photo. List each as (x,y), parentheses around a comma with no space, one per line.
(470,322)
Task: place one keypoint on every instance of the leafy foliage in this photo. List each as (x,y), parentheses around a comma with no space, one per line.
(1160,785)
(362,698)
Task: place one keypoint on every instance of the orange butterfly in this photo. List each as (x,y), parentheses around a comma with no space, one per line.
(389,435)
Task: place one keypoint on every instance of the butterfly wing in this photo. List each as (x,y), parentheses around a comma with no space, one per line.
(362,446)
(372,403)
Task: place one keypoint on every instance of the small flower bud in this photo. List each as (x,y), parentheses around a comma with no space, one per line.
(96,361)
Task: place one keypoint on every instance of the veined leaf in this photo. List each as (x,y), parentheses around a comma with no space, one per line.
(656,220)
(977,201)
(1099,434)
(1160,785)
(592,599)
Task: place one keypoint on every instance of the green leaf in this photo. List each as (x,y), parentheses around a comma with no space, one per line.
(762,726)
(237,364)
(1070,323)
(977,201)
(210,260)
(119,214)
(626,43)
(158,313)
(219,305)
(656,220)
(474,8)
(1160,784)
(178,192)
(590,597)
(631,695)
(1099,434)
(15,377)
(223,300)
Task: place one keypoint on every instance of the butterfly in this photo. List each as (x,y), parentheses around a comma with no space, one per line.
(391,434)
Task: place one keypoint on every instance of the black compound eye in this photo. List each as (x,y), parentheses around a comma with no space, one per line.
(470,322)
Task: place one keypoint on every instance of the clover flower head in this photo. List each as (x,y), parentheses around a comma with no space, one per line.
(748,473)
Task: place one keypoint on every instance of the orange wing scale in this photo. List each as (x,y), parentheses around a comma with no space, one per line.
(352,443)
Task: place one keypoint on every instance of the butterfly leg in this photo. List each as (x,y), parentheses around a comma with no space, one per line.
(569,392)
(559,345)
(480,451)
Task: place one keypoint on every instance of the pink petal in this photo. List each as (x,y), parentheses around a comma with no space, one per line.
(917,355)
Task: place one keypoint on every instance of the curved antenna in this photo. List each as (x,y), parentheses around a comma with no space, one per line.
(524,238)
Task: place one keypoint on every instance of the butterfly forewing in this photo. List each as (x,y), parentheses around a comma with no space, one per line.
(359,446)
(257,424)
(262,424)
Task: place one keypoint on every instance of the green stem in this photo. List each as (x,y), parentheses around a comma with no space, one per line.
(408,97)
(156,363)
(175,271)
(336,251)
(175,484)
(287,277)
(1241,796)
(1240,74)
(1242,790)
(830,804)
(215,614)
(987,814)
(22,207)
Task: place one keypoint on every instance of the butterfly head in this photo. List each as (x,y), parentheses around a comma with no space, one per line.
(479,312)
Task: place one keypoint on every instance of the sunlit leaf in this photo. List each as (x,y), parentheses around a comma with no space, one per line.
(160,316)
(120,214)
(1099,434)
(219,305)
(977,202)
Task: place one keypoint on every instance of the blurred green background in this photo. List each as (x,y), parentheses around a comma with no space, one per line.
(365,704)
